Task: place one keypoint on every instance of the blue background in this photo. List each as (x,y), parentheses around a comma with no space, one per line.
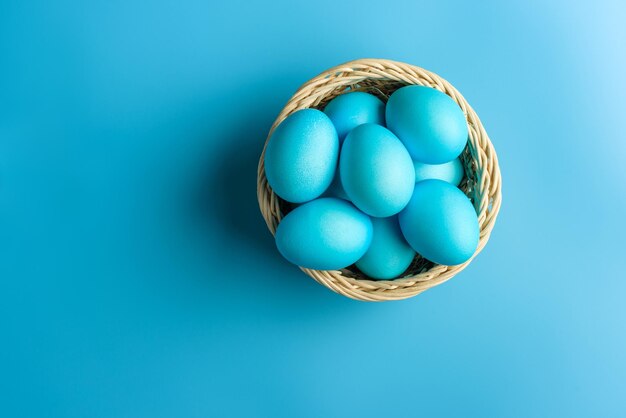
(137,277)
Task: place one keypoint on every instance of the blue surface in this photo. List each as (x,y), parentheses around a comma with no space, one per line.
(137,277)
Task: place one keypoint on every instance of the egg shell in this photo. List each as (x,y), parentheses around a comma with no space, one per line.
(301,156)
(431,125)
(324,234)
(440,223)
(349,110)
(452,171)
(389,255)
(336,188)
(376,170)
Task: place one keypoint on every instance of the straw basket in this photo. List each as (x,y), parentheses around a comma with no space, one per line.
(482,182)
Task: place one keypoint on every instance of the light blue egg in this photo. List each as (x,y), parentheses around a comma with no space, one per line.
(324,234)
(301,156)
(389,255)
(429,123)
(350,110)
(336,188)
(440,223)
(376,170)
(452,171)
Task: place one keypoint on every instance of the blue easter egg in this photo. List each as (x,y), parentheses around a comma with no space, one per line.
(440,223)
(349,110)
(389,255)
(336,189)
(324,234)
(452,171)
(301,156)
(376,170)
(431,125)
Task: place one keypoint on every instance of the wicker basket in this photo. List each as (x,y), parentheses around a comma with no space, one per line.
(481,184)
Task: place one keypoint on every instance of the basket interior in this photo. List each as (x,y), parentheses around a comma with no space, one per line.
(383,89)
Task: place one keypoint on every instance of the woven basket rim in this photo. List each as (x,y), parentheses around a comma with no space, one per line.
(480,157)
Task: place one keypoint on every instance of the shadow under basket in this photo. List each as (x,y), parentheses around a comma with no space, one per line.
(482,183)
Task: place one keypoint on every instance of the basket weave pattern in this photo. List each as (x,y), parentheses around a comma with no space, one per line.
(482,183)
